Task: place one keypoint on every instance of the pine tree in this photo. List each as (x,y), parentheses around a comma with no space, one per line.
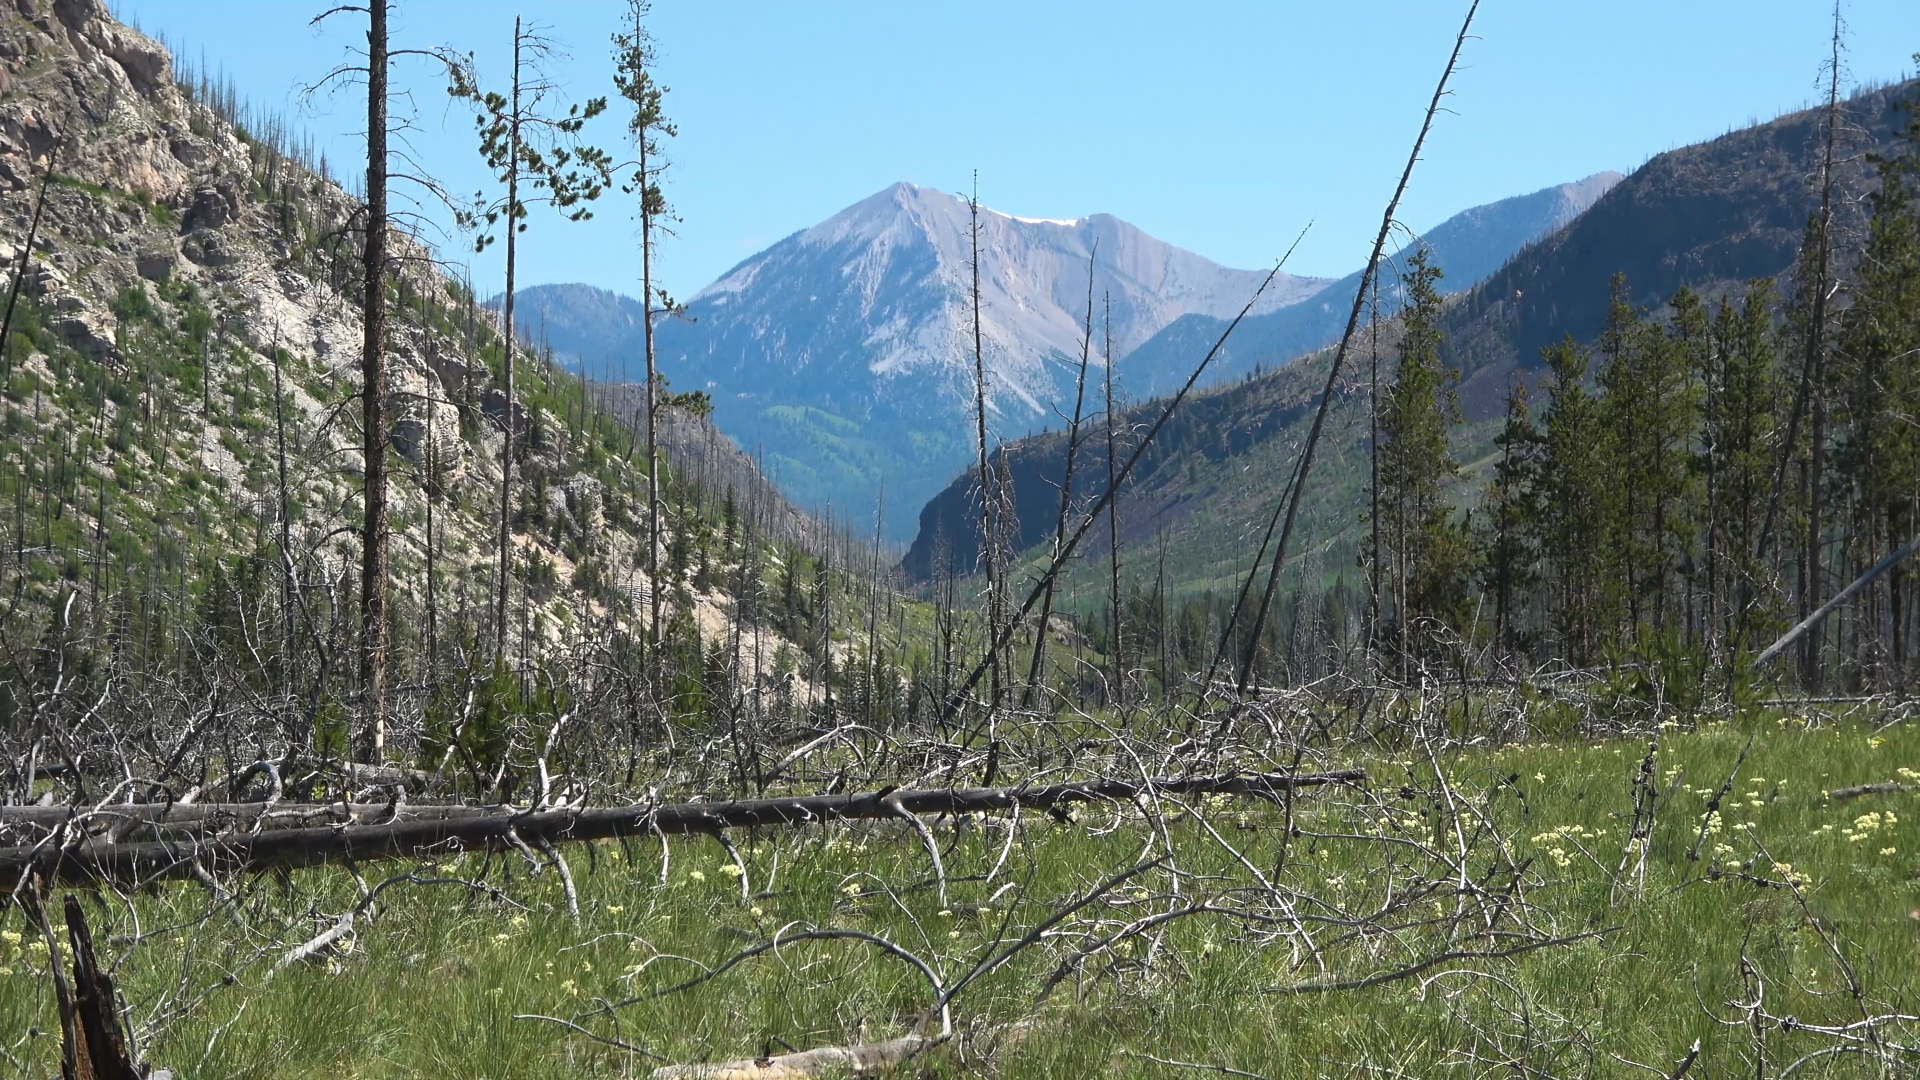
(1427,547)
(1510,523)
(1740,435)
(1573,517)
(1649,409)
(1690,336)
(634,60)
(522,143)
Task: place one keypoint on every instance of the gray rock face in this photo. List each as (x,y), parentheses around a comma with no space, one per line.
(844,355)
(210,249)
(92,332)
(209,210)
(876,299)
(155,264)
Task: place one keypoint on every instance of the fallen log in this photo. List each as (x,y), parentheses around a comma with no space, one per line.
(1890,787)
(247,814)
(89,858)
(864,1060)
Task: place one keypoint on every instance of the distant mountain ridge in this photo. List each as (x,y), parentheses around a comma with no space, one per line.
(1713,216)
(841,356)
(1467,247)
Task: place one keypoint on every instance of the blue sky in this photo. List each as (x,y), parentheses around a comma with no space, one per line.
(1219,126)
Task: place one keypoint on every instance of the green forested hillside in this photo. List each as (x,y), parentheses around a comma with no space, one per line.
(1725,220)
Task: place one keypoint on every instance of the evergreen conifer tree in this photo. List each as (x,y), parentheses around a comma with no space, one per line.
(1510,524)
(1573,520)
(1427,548)
(1740,436)
(1648,407)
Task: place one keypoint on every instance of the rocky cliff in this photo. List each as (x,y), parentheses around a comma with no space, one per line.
(181,375)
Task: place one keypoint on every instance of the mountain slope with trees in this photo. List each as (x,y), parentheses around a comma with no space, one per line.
(1470,245)
(1655,362)
(182,462)
(837,354)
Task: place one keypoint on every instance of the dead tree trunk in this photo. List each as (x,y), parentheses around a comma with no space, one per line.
(1035,669)
(1290,502)
(989,531)
(501,560)
(373,397)
(423,831)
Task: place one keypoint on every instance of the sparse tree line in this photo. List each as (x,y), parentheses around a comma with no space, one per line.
(338,614)
(1696,482)
(1667,500)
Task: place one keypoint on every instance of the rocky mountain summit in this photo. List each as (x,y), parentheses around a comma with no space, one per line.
(843,354)
(843,357)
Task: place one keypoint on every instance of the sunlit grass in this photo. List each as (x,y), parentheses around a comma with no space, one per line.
(440,983)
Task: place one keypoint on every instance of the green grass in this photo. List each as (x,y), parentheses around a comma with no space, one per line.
(432,987)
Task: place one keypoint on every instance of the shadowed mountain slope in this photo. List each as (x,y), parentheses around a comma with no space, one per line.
(1713,215)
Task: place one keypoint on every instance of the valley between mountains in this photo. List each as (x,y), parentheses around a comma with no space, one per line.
(952,642)
(841,357)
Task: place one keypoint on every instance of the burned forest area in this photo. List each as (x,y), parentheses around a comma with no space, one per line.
(1498,663)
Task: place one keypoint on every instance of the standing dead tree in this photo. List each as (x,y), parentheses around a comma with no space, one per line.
(989,488)
(998,638)
(373,401)
(1816,289)
(1117,645)
(377,268)
(1035,669)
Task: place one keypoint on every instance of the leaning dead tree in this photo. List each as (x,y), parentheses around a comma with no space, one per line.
(1036,669)
(1303,469)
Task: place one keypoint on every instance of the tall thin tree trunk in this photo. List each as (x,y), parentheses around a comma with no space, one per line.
(1373,467)
(286,531)
(1113,515)
(431,490)
(502,564)
(653,443)
(1034,669)
(989,533)
(20,272)
(373,395)
(1812,589)
(1291,501)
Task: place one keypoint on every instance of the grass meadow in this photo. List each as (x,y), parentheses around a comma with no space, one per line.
(1809,905)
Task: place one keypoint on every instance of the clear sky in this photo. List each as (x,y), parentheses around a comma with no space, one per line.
(1220,126)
